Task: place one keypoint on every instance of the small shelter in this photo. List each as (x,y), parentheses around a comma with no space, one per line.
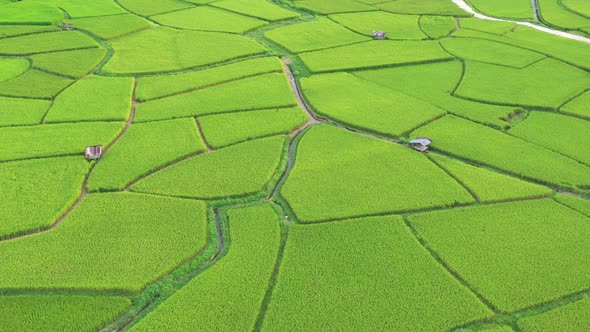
(421,143)
(378,35)
(66,26)
(93,152)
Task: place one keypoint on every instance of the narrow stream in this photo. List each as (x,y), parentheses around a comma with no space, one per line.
(467,8)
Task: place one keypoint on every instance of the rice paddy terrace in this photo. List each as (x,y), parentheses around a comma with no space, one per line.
(305,165)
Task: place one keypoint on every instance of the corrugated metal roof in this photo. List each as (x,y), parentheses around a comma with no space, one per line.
(422,141)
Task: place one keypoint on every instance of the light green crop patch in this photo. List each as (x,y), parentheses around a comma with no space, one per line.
(45,42)
(108,27)
(263,9)
(434,83)
(572,317)
(143,149)
(490,52)
(489,186)
(373,54)
(93,98)
(515,254)
(258,92)
(433,7)
(332,6)
(581,7)
(362,104)
(239,170)
(10,68)
(579,204)
(494,27)
(81,8)
(55,139)
(176,50)
(233,289)
(16,30)
(74,64)
(339,174)
(539,85)
(35,84)
(490,147)
(437,26)
(27,12)
(554,14)
(153,87)
(394,25)
(579,106)
(511,9)
(225,129)
(209,19)
(145,8)
(57,313)
(14,111)
(50,185)
(556,132)
(313,35)
(97,245)
(365,274)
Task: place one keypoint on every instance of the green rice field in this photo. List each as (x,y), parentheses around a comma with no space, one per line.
(295,165)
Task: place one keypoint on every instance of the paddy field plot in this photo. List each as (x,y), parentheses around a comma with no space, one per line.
(262,9)
(432,7)
(45,42)
(481,50)
(18,111)
(576,203)
(436,27)
(143,8)
(26,12)
(73,64)
(554,14)
(8,30)
(579,106)
(108,27)
(396,26)
(510,9)
(34,84)
(332,6)
(569,318)
(10,68)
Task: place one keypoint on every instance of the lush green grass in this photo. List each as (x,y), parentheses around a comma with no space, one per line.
(581,7)
(55,139)
(490,52)
(362,104)
(493,27)
(396,26)
(225,129)
(263,9)
(238,170)
(26,12)
(572,317)
(434,83)
(512,9)
(164,85)
(110,241)
(579,106)
(142,149)
(81,8)
(108,27)
(579,204)
(45,42)
(556,132)
(339,174)
(263,91)
(490,186)
(434,7)
(515,254)
(36,192)
(93,98)
(553,13)
(34,83)
(373,54)
(332,6)
(74,64)
(365,274)
(10,68)
(437,26)
(22,111)
(494,148)
(15,30)
(232,290)
(176,50)
(313,35)
(539,85)
(57,313)
(145,8)
(209,19)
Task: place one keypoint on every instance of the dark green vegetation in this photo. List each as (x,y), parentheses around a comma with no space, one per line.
(257,173)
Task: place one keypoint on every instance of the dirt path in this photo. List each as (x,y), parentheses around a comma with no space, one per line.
(467,8)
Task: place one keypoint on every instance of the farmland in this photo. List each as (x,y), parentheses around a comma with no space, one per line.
(294,165)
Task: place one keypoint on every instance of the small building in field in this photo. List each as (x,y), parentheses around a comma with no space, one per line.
(378,35)
(421,143)
(66,26)
(93,152)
